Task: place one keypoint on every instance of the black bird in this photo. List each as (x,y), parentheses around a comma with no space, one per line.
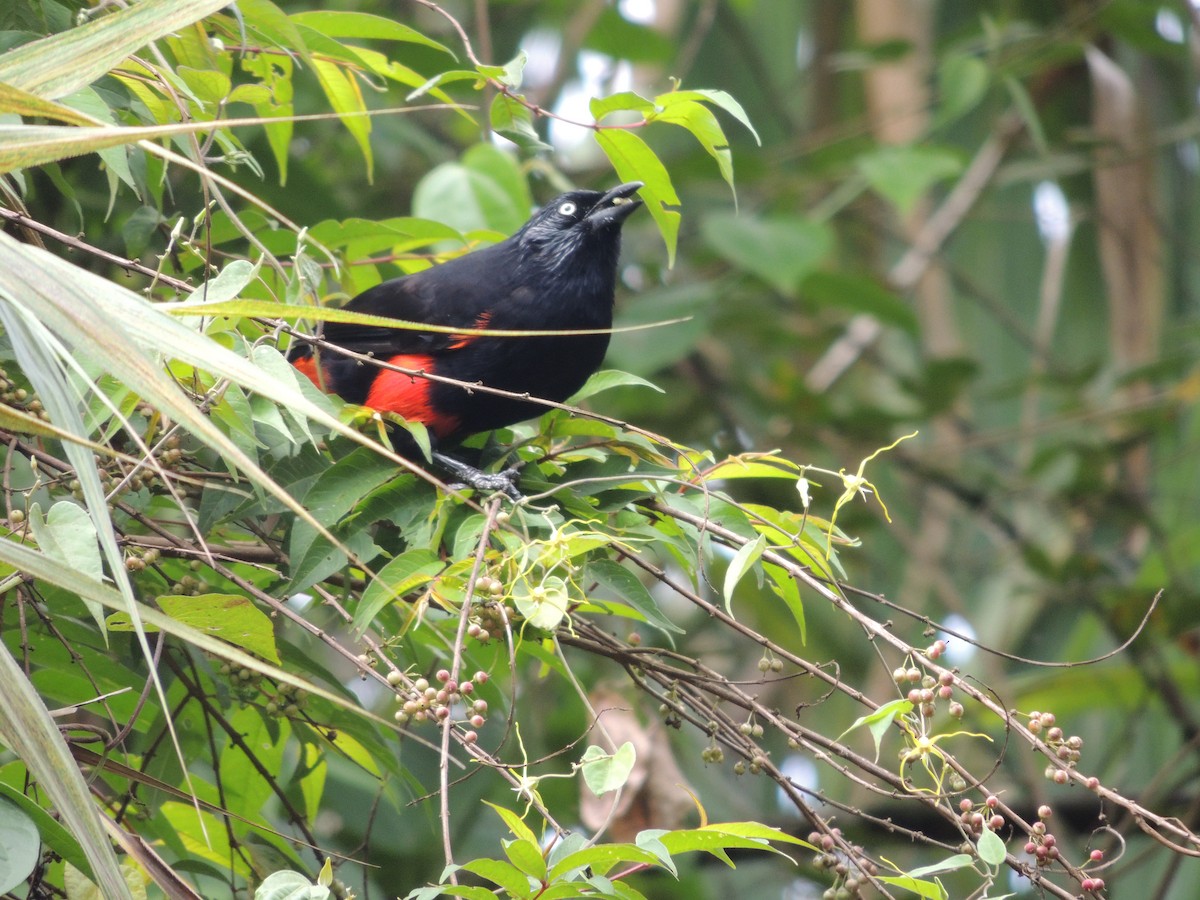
(557,273)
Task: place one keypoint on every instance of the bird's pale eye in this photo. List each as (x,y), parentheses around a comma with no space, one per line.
(567,209)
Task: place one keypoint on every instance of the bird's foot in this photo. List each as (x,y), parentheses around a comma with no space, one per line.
(505,481)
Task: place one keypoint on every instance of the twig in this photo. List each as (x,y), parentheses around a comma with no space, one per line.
(464,617)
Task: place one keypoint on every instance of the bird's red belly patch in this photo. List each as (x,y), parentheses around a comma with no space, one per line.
(408,395)
(308,366)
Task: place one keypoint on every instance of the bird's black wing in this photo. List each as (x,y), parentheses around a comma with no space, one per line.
(457,294)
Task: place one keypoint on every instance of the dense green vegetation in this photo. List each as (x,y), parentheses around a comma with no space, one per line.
(867,564)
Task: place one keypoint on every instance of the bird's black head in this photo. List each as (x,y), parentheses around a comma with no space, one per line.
(579,229)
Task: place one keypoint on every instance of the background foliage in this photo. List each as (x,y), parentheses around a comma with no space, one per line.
(969,220)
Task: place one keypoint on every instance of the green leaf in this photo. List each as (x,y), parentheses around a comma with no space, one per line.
(705,128)
(743,561)
(903,175)
(519,829)
(930,890)
(69,536)
(601,858)
(881,720)
(962,83)
(514,71)
(781,250)
(991,848)
(440,79)
(19,845)
(230,617)
(485,190)
(30,732)
(951,864)
(629,588)
(623,101)
(231,281)
(501,873)
(718,838)
(720,99)
(51,831)
(408,571)
(606,380)
(527,857)
(651,840)
(512,119)
(63,63)
(345,96)
(116,159)
(635,161)
(343,24)
(786,589)
(604,771)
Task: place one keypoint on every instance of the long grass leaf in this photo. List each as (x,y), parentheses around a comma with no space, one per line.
(63,63)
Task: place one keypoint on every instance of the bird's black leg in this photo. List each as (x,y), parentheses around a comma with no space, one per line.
(482,481)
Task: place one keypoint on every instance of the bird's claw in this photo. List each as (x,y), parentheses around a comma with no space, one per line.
(505,481)
(501,481)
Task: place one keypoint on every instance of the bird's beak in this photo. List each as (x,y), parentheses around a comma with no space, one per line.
(615,206)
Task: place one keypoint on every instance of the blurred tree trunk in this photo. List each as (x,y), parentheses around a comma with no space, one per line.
(898,102)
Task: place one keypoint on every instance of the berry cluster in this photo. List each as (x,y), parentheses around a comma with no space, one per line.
(930,689)
(1066,749)
(20,398)
(754,767)
(975,820)
(713,752)
(769,663)
(849,875)
(244,681)
(1092,883)
(136,562)
(423,702)
(489,619)
(287,700)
